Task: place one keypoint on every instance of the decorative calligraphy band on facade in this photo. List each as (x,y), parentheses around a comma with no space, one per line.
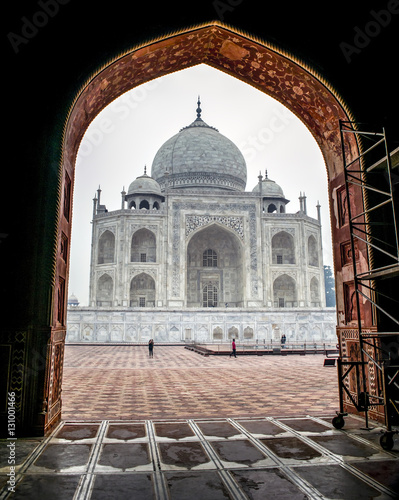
(202,179)
(193,222)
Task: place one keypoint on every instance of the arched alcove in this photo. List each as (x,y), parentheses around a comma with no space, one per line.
(285,291)
(104,293)
(314,292)
(283,248)
(142,291)
(271,209)
(144,247)
(214,268)
(313,256)
(106,248)
(144,204)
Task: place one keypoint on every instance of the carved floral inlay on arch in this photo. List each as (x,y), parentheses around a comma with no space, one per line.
(254,62)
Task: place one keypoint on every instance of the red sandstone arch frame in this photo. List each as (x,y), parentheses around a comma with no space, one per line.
(276,73)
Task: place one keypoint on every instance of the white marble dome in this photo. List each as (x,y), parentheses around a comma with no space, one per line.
(200,157)
(145,185)
(270,189)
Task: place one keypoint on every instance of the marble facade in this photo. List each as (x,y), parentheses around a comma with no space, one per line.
(191,255)
(87,324)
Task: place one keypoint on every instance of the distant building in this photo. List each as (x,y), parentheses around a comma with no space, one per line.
(191,255)
(73,301)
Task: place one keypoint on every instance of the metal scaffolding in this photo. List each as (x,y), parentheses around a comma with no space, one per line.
(375,225)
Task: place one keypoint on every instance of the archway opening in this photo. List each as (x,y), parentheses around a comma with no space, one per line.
(214,268)
(271,209)
(142,291)
(314,292)
(313,255)
(283,248)
(285,291)
(143,247)
(254,62)
(105,287)
(106,248)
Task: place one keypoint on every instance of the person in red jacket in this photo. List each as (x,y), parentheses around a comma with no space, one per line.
(233,346)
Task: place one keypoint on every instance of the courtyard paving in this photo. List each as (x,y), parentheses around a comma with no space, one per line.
(181,426)
(123,382)
(217,459)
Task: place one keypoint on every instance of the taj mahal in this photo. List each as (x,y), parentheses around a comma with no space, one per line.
(190,255)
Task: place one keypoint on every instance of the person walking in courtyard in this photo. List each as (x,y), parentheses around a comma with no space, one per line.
(151,348)
(233,347)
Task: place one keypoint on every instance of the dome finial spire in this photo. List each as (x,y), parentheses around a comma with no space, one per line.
(145,169)
(199,110)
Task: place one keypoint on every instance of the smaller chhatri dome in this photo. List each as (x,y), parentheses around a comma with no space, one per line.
(73,300)
(270,189)
(144,184)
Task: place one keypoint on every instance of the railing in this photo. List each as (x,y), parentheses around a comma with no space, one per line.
(268,345)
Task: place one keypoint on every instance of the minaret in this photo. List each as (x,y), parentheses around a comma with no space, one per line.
(92,252)
(94,206)
(260,183)
(123,193)
(318,211)
(300,202)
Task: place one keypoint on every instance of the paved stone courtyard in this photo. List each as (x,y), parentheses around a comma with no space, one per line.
(204,459)
(122,382)
(181,426)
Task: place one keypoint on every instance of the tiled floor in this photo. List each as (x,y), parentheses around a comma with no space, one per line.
(123,382)
(182,426)
(208,459)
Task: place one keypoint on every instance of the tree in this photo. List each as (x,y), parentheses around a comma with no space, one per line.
(330,286)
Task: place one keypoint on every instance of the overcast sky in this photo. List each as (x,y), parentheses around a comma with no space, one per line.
(127,134)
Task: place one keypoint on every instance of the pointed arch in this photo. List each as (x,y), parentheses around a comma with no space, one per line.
(144,204)
(314,292)
(215,267)
(283,248)
(262,65)
(105,290)
(265,66)
(313,253)
(106,248)
(144,246)
(285,291)
(271,208)
(142,291)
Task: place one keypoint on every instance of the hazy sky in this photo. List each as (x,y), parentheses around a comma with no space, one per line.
(127,134)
